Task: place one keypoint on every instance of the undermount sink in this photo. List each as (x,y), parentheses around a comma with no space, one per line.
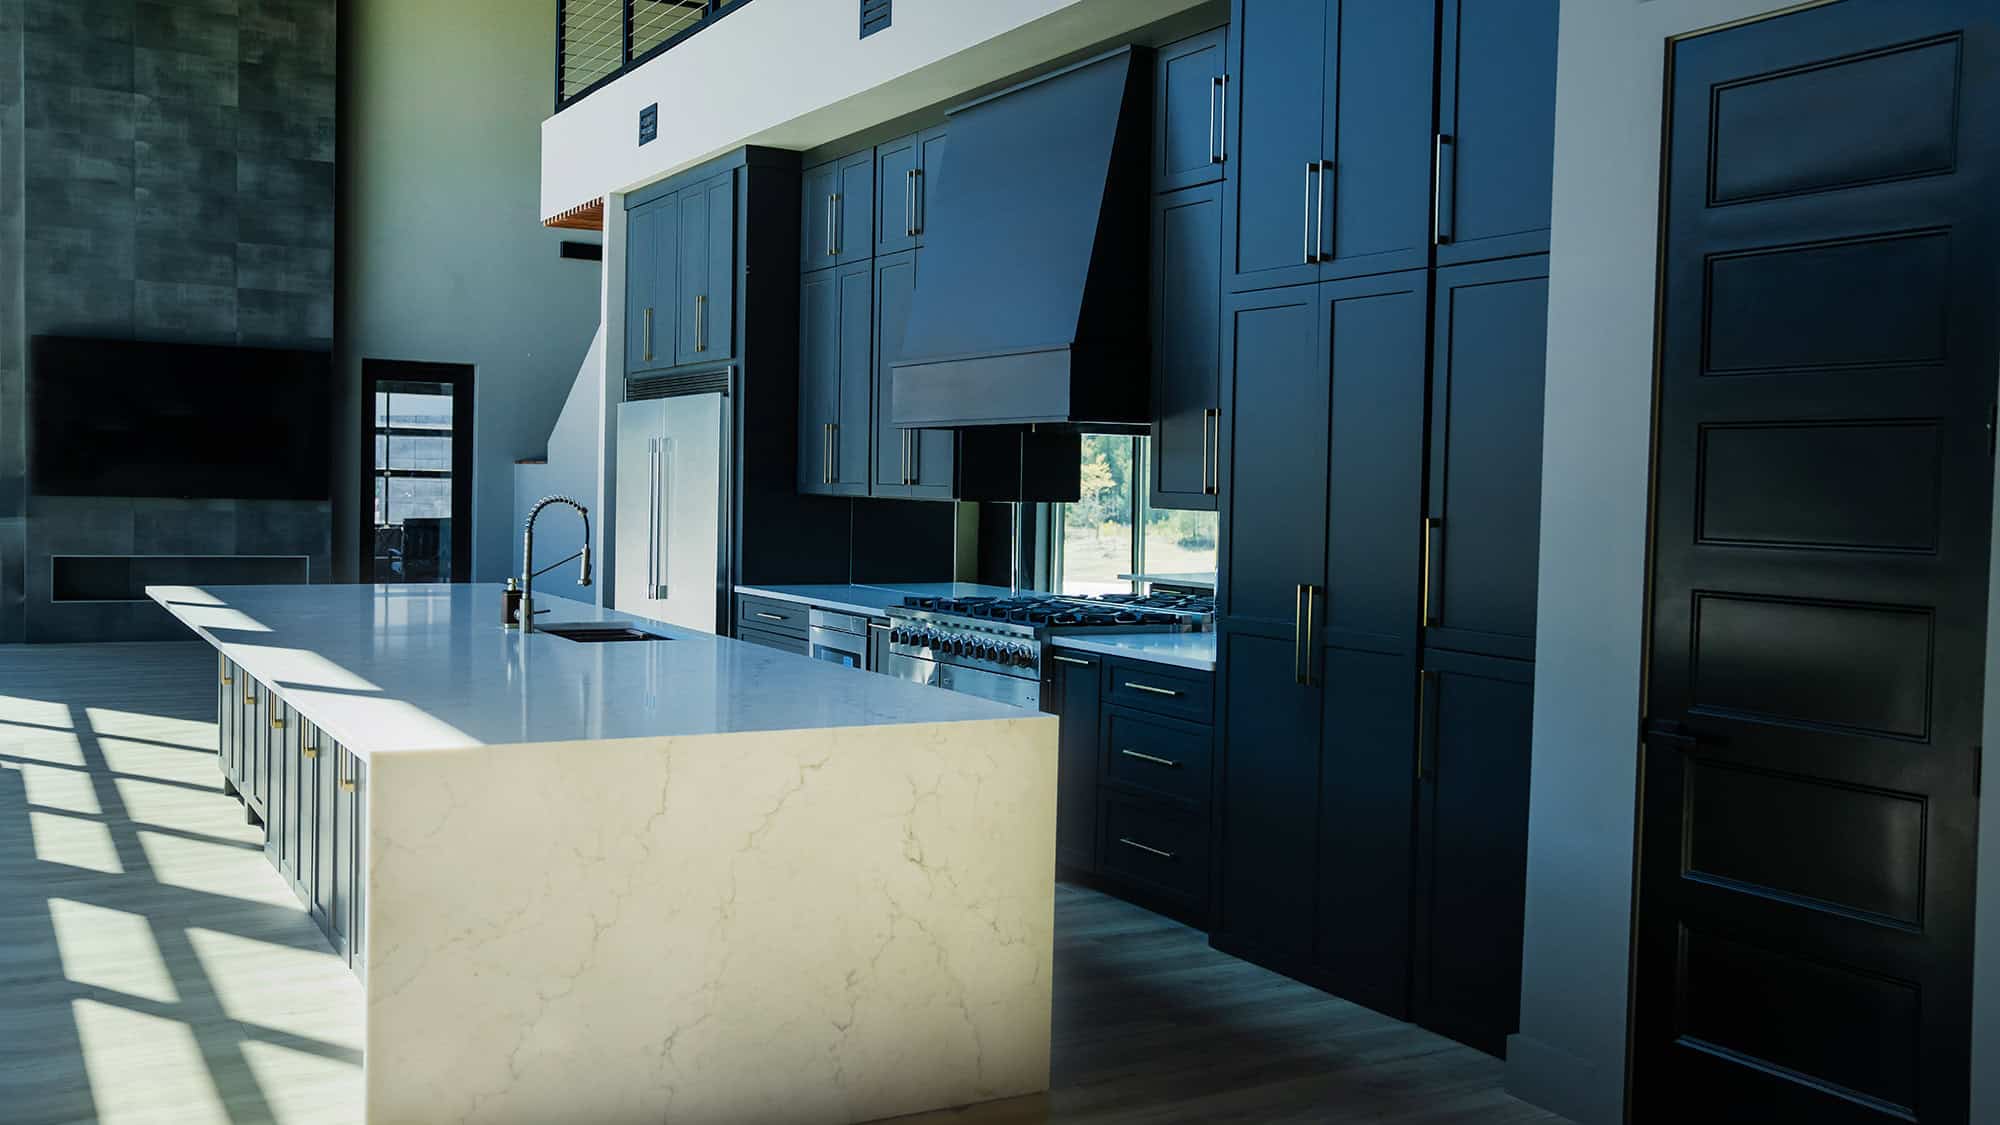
(599,634)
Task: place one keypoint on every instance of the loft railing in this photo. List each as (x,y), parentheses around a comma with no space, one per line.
(598,40)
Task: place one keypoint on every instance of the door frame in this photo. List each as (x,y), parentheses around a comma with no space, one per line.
(460,377)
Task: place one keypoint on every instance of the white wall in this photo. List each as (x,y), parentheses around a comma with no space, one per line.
(442,253)
(795,73)
(1570,1053)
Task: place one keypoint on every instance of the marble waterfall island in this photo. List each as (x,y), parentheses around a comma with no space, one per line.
(683,880)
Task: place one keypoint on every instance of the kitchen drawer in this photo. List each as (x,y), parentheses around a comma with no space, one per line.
(1162,690)
(783,642)
(1155,848)
(772,616)
(1164,757)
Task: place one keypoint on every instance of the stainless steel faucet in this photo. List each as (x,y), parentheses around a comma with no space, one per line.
(528,571)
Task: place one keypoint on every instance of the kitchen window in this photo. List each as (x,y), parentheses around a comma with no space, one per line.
(1112,533)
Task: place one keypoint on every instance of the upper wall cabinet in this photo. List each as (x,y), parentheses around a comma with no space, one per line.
(1496,128)
(836,330)
(1190,112)
(909,464)
(1187,352)
(707,315)
(1331,120)
(837,213)
(904,171)
(680,278)
(651,276)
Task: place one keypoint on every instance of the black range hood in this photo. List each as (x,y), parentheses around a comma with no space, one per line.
(1032,308)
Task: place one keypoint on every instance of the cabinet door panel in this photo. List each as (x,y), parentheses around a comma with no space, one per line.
(1486,456)
(895,285)
(308,860)
(1378,328)
(896,164)
(930,170)
(641,302)
(327,836)
(707,273)
(1270,779)
(1187,377)
(1497,101)
(1367,795)
(1472,847)
(854,209)
(852,437)
(1274,465)
(1377,205)
(1075,696)
(819,378)
(1187,107)
(1275,113)
(816,216)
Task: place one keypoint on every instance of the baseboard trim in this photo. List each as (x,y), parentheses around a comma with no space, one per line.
(1561,1082)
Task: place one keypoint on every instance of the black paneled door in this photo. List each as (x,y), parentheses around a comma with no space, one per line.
(1820,566)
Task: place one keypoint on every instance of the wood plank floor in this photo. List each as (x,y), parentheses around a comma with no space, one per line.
(154,967)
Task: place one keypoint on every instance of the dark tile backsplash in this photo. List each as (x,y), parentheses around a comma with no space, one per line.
(166,172)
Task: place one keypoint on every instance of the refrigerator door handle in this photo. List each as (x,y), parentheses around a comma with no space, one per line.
(660,516)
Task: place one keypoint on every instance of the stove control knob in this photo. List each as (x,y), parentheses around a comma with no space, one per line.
(958,646)
(983,650)
(899,636)
(1025,658)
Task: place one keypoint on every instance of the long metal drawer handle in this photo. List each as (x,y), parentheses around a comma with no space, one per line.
(1432,525)
(1298,629)
(839,228)
(1148,849)
(879,625)
(1167,762)
(1151,690)
(1214,96)
(1306,239)
(1439,236)
(833,452)
(701,323)
(830,248)
(910,203)
(1205,490)
(649,334)
(1211,470)
(1073,660)
(1222,150)
(771,616)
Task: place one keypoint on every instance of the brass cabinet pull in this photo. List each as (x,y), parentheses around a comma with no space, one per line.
(910,203)
(1211,453)
(226,681)
(249,697)
(1432,525)
(1312,594)
(1073,660)
(309,751)
(277,722)
(1151,690)
(833,452)
(649,334)
(838,234)
(346,781)
(1147,848)
(701,323)
(1167,762)
(1205,490)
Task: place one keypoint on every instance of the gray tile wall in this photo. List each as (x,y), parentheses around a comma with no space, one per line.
(166,173)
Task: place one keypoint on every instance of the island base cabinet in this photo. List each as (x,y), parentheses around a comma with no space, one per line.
(228,726)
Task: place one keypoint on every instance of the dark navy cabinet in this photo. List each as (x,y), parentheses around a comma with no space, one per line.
(1190,92)
(837,209)
(904,171)
(836,329)
(1187,353)
(1483,515)
(651,278)
(1074,692)
(908,464)
(706,289)
(1496,122)
(1278,88)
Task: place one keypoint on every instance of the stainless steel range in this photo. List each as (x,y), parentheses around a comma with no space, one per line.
(996,648)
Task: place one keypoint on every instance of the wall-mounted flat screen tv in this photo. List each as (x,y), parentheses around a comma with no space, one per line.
(130,418)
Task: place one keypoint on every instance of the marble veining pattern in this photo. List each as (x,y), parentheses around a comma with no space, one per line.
(767,927)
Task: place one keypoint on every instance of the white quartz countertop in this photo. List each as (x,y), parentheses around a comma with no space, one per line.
(429,667)
(1183,650)
(871,599)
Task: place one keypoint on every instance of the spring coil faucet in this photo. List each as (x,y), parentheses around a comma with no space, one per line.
(528,571)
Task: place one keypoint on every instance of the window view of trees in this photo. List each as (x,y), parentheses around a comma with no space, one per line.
(1098,540)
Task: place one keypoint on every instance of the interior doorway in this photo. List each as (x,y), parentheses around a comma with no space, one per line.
(416,510)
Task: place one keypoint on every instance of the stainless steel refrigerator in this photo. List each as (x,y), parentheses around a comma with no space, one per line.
(671,541)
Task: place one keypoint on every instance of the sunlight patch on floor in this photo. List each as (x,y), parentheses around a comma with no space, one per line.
(303,992)
(304,1087)
(142,759)
(34,744)
(41,712)
(149,802)
(71,842)
(215,869)
(67,790)
(187,734)
(144,1069)
(110,949)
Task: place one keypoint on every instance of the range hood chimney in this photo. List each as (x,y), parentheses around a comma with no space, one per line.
(1032,309)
